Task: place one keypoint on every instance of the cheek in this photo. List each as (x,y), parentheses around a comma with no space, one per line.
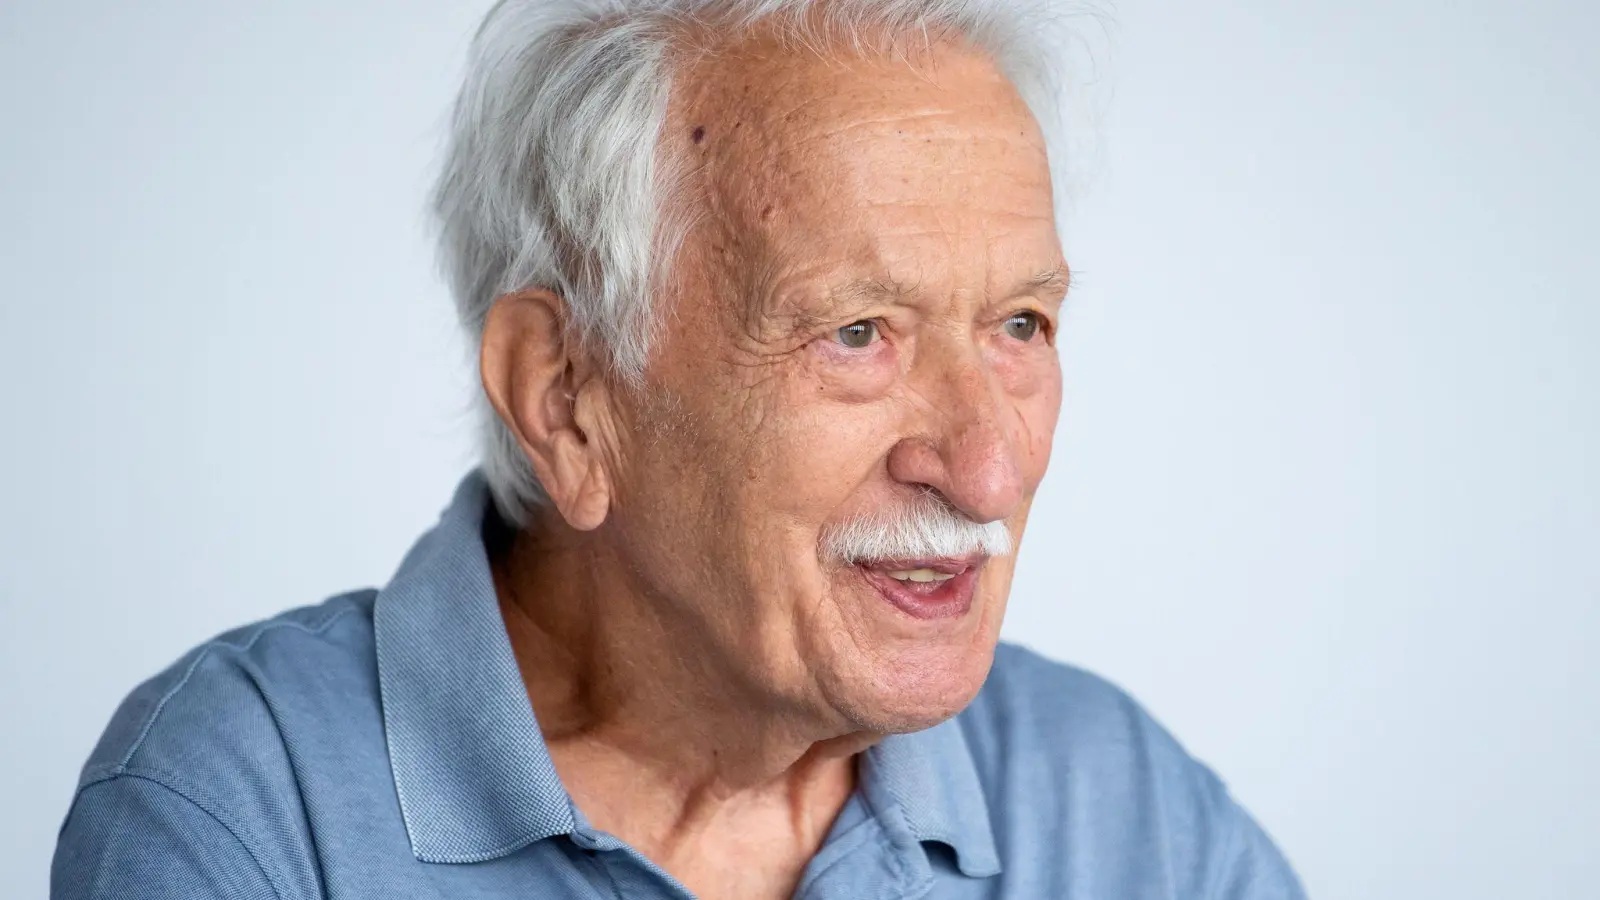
(827,451)
(846,375)
(805,440)
(1034,388)
(1025,372)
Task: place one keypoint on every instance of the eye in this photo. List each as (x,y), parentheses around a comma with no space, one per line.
(858,334)
(1023,326)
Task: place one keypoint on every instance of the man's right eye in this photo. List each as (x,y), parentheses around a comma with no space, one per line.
(858,334)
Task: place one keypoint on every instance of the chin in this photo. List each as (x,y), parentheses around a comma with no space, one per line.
(913,688)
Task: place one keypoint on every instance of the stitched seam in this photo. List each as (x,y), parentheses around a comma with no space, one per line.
(294,773)
(204,652)
(161,779)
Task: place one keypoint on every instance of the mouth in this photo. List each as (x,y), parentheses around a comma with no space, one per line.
(941,588)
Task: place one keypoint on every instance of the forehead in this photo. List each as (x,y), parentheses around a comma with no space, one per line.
(891,168)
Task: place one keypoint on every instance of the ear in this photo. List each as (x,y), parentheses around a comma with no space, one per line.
(534,380)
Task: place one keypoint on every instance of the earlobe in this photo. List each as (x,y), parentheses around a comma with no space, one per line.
(531,376)
(578,485)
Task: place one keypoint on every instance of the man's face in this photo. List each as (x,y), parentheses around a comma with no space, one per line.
(862,318)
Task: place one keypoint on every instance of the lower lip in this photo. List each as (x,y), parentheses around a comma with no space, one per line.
(948,599)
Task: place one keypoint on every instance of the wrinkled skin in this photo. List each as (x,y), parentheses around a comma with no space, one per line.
(701,672)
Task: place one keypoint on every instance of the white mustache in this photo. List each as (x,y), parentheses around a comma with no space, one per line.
(926,528)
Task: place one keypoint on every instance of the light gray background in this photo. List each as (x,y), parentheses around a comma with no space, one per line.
(1326,494)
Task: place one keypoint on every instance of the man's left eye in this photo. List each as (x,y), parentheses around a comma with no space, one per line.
(1023,326)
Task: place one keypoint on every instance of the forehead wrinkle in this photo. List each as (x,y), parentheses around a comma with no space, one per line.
(788,126)
(768,131)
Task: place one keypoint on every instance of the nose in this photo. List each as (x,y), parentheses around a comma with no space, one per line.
(969,455)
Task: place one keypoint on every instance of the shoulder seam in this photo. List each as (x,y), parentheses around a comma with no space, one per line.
(200,656)
(167,781)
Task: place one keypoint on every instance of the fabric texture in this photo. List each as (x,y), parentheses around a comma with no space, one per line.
(381,745)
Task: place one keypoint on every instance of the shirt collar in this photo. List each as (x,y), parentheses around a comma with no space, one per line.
(474,777)
(929,781)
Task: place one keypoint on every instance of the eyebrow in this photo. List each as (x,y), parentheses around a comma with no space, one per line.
(867,291)
(1056,279)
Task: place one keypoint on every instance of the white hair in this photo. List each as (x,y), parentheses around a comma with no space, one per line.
(927,528)
(552,178)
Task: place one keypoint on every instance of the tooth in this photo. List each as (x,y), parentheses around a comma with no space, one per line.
(920,576)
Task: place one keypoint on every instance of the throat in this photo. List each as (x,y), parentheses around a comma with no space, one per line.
(750,843)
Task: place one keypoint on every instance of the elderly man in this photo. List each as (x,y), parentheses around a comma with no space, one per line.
(766,294)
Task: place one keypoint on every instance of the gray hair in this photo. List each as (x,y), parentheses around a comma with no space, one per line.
(552,178)
(926,527)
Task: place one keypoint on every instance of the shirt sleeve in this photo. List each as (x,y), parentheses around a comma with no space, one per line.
(132,838)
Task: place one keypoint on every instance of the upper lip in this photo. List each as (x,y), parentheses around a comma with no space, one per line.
(944,565)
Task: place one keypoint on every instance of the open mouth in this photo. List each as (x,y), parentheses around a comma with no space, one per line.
(926,588)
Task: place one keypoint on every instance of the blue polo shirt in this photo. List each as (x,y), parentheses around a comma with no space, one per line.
(381,745)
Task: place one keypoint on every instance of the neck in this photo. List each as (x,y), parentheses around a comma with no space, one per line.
(655,734)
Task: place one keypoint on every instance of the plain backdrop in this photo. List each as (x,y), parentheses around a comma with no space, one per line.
(1326,494)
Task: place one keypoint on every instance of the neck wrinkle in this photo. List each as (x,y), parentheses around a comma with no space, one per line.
(644,731)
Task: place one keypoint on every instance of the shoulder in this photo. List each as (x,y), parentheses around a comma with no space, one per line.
(228,691)
(1059,747)
(213,754)
(1073,729)
(1075,715)
(132,838)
